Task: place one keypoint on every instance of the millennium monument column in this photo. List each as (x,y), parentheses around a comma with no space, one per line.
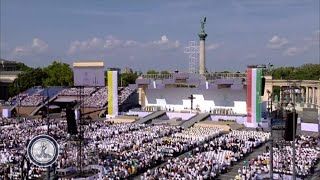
(202,54)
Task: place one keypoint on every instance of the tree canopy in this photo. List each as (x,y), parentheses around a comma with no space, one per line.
(30,78)
(22,67)
(56,74)
(304,72)
(128,78)
(59,74)
(164,72)
(152,72)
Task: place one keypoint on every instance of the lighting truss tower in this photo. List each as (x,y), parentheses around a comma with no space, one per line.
(193,50)
(81,130)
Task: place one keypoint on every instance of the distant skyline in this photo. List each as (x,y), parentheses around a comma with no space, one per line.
(150,34)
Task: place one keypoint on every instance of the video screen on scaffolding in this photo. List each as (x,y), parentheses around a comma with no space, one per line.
(89,76)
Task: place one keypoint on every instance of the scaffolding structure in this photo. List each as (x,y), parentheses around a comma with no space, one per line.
(193,50)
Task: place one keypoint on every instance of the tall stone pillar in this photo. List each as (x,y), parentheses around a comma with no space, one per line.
(143,97)
(313,95)
(202,53)
(202,58)
(302,97)
(307,95)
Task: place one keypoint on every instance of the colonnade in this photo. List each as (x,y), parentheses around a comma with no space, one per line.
(309,94)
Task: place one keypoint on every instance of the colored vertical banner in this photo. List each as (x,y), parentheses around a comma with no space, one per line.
(112,93)
(258,96)
(254,83)
(249,89)
(254,95)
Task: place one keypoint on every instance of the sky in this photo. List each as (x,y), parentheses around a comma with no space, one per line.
(153,34)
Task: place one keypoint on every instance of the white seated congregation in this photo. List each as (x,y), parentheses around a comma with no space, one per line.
(125,93)
(33,100)
(127,150)
(307,155)
(97,99)
(211,157)
(76,91)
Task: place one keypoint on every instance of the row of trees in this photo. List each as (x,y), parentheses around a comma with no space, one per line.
(304,72)
(156,72)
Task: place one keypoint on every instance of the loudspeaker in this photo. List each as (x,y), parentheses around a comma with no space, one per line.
(263,82)
(71,122)
(288,135)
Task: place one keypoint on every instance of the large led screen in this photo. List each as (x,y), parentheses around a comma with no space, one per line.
(88,76)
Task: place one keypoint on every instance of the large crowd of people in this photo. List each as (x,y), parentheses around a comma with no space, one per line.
(76,91)
(34,100)
(14,138)
(210,158)
(126,150)
(125,93)
(100,97)
(307,155)
(97,99)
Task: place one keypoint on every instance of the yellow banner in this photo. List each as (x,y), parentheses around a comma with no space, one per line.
(110,96)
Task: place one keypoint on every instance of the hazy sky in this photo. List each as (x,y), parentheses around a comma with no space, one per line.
(152,34)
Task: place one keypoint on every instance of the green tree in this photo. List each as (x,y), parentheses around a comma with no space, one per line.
(304,72)
(22,67)
(164,72)
(128,78)
(152,72)
(26,80)
(59,74)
